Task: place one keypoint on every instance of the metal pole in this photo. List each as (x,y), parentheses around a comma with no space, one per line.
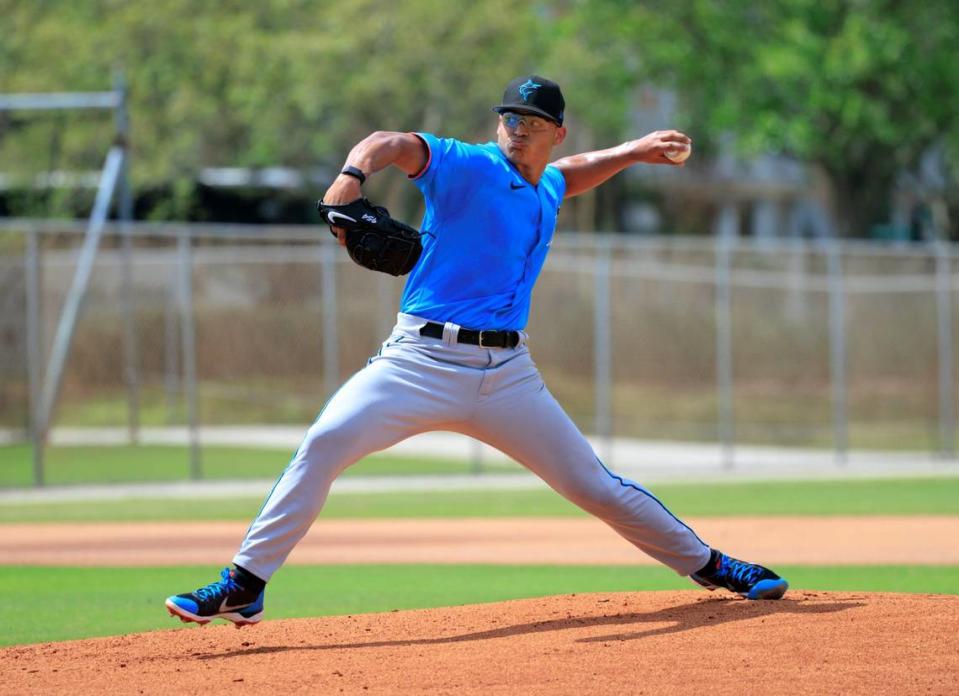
(331,344)
(947,418)
(131,373)
(189,350)
(128,308)
(171,362)
(74,299)
(34,351)
(602,347)
(837,349)
(726,416)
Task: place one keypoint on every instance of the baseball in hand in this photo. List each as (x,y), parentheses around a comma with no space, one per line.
(680,154)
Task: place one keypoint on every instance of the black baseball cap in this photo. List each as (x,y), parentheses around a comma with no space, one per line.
(535,95)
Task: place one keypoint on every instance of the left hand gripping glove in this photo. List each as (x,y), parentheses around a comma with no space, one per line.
(374,240)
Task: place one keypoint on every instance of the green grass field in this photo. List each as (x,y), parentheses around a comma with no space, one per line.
(50,604)
(45,604)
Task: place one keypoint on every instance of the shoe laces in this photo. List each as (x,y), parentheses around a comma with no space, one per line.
(225,584)
(740,571)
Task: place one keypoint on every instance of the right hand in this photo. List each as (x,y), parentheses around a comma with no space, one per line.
(652,148)
(344,189)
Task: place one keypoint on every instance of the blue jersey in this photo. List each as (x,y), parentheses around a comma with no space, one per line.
(486,234)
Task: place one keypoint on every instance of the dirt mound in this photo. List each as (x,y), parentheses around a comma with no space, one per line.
(621,643)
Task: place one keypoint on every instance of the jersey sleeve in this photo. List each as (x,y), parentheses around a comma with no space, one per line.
(445,172)
(558,181)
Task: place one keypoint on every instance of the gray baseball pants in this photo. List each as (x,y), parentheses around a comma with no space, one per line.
(496,395)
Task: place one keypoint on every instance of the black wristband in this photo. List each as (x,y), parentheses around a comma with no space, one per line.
(350,170)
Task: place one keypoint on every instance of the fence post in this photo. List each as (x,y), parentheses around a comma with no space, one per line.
(947,422)
(128,308)
(331,345)
(726,415)
(602,347)
(171,361)
(34,351)
(838,349)
(125,210)
(188,338)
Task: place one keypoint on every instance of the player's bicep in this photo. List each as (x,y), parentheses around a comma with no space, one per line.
(412,155)
(575,175)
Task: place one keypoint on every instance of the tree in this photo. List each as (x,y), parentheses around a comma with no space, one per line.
(278,82)
(860,87)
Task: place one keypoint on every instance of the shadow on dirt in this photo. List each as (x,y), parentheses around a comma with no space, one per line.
(684,617)
(722,611)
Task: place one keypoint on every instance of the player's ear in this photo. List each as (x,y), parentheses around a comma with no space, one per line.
(559,136)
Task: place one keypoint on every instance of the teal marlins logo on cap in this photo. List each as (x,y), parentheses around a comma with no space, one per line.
(527,88)
(533,94)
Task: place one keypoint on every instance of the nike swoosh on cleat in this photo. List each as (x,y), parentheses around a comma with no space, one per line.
(226,607)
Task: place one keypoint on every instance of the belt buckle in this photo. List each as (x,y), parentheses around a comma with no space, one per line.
(487,345)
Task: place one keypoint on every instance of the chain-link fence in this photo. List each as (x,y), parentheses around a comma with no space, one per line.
(844,345)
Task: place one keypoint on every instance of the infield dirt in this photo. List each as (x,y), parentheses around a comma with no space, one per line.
(621,643)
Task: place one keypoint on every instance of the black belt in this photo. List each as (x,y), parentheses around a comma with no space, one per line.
(486,339)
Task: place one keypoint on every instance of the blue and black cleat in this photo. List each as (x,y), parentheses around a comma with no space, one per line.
(747,579)
(223,599)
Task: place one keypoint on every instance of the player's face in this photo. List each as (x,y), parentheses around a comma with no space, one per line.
(527,139)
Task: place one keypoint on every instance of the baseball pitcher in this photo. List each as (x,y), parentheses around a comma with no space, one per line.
(457,358)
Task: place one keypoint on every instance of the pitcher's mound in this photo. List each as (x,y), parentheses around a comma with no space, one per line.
(623,643)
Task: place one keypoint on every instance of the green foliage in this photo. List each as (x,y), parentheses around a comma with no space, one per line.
(860,87)
(278,82)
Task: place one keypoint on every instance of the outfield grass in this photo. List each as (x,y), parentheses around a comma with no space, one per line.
(98,464)
(51,604)
(40,604)
(926,496)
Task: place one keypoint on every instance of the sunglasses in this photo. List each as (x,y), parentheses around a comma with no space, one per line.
(534,124)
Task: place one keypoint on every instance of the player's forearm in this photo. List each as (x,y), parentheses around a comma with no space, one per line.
(590,169)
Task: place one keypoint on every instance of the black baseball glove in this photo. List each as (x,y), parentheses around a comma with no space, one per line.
(374,239)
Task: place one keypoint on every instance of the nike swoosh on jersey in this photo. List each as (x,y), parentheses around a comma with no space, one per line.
(513,185)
